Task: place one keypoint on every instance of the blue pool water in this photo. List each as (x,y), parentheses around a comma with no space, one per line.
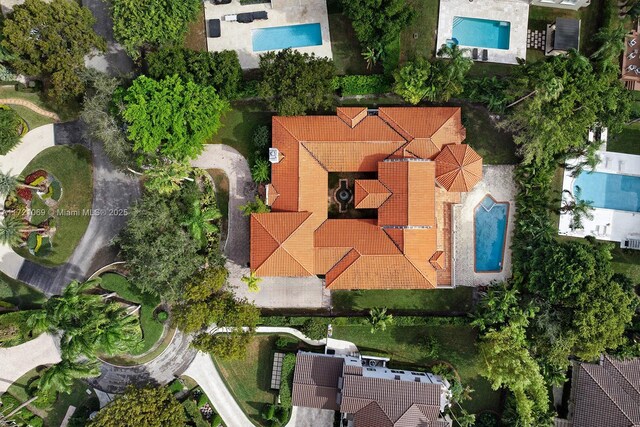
(288,36)
(481,32)
(610,191)
(490,220)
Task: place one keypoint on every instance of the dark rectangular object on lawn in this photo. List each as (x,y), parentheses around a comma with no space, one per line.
(245,18)
(485,55)
(260,15)
(214,28)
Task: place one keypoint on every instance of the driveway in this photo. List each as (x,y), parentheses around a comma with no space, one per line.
(113,191)
(275,292)
(18,360)
(114,61)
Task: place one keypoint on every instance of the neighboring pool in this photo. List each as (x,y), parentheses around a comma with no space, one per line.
(490,223)
(273,38)
(609,191)
(481,32)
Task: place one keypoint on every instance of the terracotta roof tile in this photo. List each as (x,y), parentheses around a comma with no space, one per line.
(370,194)
(355,156)
(363,235)
(351,115)
(438,260)
(421,122)
(458,168)
(327,257)
(272,194)
(332,128)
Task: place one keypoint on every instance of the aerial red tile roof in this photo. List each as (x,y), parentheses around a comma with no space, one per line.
(412,150)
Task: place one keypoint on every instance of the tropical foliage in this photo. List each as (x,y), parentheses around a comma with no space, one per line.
(142,407)
(379,319)
(218,69)
(294,83)
(64,34)
(261,171)
(171,118)
(10,124)
(166,178)
(255,206)
(163,22)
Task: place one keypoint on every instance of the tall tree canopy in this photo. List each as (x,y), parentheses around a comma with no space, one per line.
(137,23)
(218,69)
(50,40)
(556,101)
(378,22)
(171,118)
(294,83)
(142,407)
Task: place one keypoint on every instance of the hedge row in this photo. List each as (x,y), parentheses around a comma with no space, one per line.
(286,379)
(362,85)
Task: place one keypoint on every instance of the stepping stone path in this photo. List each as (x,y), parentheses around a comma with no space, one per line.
(536,39)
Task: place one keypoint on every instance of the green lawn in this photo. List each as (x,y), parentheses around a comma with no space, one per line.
(402,344)
(346,49)
(432,300)
(196,38)
(19,294)
(495,147)
(72,166)
(591,18)
(425,26)
(626,261)
(33,119)
(239,124)
(628,141)
(249,379)
(151,328)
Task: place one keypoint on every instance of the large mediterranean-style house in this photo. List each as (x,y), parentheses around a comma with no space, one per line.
(401,171)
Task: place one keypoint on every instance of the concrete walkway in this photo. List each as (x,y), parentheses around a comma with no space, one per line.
(17,361)
(15,161)
(30,105)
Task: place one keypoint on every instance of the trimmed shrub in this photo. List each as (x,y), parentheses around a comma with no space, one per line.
(9,130)
(202,400)
(193,413)
(36,422)
(269,411)
(285,342)
(362,85)
(315,327)
(176,386)
(216,421)
(162,316)
(286,379)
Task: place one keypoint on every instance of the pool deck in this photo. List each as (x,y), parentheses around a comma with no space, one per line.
(497,181)
(237,36)
(514,11)
(607,224)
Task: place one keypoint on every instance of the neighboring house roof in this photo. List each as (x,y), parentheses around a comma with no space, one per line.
(315,381)
(567,34)
(322,381)
(607,394)
(399,249)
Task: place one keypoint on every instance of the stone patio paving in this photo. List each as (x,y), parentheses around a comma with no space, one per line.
(238,36)
(498,181)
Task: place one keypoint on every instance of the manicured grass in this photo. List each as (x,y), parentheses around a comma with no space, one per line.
(11,92)
(19,294)
(433,300)
(495,146)
(591,18)
(19,388)
(239,124)
(347,52)
(404,346)
(71,165)
(626,261)
(196,38)
(628,141)
(151,328)
(250,379)
(488,69)
(425,26)
(32,118)
(69,111)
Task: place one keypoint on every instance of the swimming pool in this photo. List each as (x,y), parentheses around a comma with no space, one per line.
(485,33)
(609,191)
(273,38)
(490,223)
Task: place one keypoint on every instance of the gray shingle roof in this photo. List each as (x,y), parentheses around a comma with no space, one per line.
(567,34)
(315,381)
(607,394)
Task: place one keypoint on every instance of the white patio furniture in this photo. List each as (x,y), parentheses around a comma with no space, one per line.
(632,67)
(632,55)
(633,42)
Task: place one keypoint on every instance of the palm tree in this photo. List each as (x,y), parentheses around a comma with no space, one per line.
(12,230)
(260,171)
(9,182)
(379,319)
(166,179)
(549,89)
(257,206)
(198,221)
(252,281)
(578,208)
(611,40)
(450,71)
(372,56)
(61,376)
(629,8)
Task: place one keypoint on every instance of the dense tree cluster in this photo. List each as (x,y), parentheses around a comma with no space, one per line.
(142,407)
(50,40)
(218,69)
(294,83)
(138,24)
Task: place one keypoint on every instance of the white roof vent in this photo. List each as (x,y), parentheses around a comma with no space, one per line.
(274,155)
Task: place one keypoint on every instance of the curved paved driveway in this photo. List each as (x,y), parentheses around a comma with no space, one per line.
(18,360)
(161,370)
(113,191)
